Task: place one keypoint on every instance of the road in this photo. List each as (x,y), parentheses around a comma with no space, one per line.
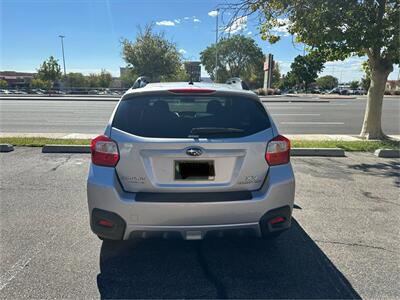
(338,116)
(344,242)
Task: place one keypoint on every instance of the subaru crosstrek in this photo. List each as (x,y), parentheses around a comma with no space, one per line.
(190,161)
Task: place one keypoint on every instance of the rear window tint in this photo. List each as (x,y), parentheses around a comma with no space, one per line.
(183,116)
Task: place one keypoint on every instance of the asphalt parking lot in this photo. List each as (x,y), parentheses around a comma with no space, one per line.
(344,242)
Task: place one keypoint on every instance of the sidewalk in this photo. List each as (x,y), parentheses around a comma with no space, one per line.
(304,137)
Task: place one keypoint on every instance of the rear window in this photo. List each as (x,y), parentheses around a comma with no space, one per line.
(183,116)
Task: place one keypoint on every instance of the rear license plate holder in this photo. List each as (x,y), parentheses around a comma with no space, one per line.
(194,170)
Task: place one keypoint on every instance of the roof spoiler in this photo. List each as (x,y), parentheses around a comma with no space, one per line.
(238,83)
(140,82)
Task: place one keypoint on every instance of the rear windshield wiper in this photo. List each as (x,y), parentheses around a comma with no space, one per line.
(214,130)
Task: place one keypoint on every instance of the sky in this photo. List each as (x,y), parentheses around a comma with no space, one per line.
(94,29)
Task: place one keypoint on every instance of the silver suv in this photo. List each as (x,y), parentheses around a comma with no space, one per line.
(190,161)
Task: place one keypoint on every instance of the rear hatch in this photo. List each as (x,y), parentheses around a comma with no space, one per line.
(184,142)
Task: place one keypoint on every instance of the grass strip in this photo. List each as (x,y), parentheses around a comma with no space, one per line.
(364,146)
(41,141)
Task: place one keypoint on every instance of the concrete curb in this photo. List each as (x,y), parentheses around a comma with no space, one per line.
(66,149)
(331,152)
(387,153)
(6,148)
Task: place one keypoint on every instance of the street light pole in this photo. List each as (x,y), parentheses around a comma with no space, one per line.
(216,46)
(62,47)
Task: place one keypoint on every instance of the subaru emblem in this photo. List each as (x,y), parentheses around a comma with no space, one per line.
(194,151)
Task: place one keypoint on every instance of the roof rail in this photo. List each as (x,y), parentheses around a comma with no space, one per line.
(140,82)
(238,83)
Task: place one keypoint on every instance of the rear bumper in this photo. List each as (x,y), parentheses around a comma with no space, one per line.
(189,220)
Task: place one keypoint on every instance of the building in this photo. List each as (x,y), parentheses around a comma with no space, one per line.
(17,80)
(193,69)
(123,71)
(392,86)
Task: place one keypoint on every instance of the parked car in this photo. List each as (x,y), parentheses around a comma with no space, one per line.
(19,92)
(5,92)
(340,91)
(315,91)
(190,161)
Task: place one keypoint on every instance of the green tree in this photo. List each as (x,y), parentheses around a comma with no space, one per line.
(76,80)
(276,76)
(104,79)
(38,83)
(93,80)
(305,69)
(152,55)
(340,29)
(238,56)
(354,84)
(128,77)
(3,84)
(180,75)
(327,82)
(50,70)
(287,81)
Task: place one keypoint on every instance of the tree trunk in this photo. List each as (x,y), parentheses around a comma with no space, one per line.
(372,125)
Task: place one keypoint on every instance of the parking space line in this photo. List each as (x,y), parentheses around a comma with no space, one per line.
(21,263)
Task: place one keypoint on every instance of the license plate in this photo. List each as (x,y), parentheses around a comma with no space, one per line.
(194,170)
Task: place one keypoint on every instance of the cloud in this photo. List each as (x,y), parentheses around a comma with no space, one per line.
(165,23)
(283,29)
(186,18)
(284,66)
(177,21)
(182,51)
(213,13)
(196,20)
(238,25)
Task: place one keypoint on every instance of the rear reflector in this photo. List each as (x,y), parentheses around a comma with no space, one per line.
(191,91)
(105,223)
(104,151)
(278,151)
(277,220)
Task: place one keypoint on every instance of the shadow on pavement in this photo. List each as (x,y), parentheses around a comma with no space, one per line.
(387,169)
(291,267)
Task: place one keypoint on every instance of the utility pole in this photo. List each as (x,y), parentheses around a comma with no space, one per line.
(62,47)
(216,46)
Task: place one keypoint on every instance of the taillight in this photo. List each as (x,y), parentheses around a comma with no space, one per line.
(105,223)
(278,151)
(104,151)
